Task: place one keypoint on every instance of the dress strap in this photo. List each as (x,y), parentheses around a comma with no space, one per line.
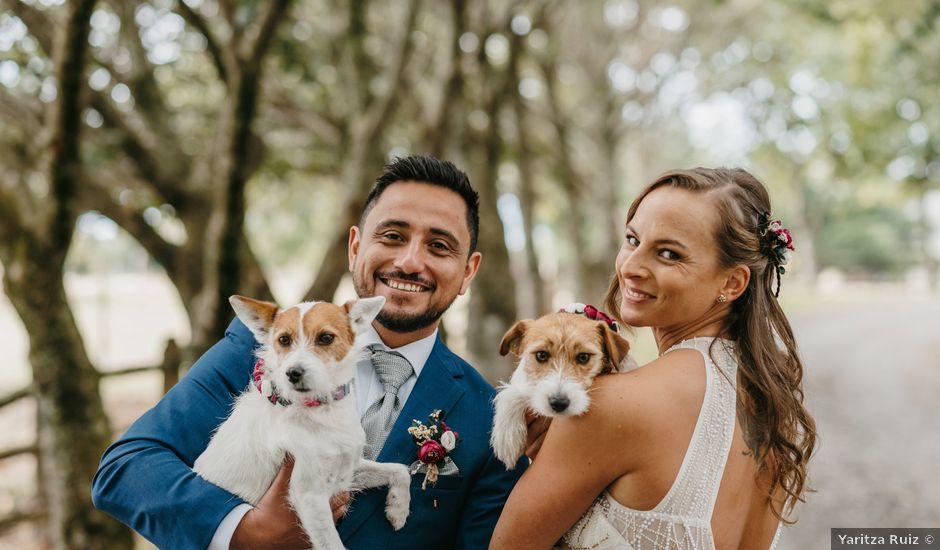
(695,489)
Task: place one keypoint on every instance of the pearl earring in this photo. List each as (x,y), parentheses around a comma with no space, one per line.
(722,298)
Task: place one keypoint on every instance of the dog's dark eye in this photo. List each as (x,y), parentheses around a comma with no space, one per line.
(284,340)
(325,339)
(582,358)
(541,356)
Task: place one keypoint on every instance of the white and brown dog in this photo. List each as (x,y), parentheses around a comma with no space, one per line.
(560,354)
(300,403)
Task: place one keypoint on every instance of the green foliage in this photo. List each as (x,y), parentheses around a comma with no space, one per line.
(867,240)
(831,103)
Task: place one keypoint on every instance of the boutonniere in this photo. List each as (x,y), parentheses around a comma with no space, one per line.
(435,441)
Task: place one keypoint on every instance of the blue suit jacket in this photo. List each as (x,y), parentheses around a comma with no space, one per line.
(145,478)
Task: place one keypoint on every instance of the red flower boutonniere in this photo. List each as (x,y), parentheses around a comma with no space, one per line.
(435,441)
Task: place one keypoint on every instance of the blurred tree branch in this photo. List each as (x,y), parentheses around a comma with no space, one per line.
(212,42)
(363,132)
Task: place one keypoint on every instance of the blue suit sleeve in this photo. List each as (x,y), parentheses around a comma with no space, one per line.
(145,478)
(485,503)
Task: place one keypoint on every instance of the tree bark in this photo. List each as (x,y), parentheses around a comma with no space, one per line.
(493,298)
(72,427)
(527,197)
(569,180)
(224,239)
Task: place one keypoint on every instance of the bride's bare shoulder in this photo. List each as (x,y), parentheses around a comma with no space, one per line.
(679,374)
(652,393)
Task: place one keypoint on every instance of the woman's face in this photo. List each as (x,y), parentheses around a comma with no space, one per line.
(668,265)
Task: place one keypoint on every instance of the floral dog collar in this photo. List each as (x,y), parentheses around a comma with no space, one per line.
(268,389)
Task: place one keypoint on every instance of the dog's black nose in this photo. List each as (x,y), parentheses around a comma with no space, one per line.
(558,403)
(294,374)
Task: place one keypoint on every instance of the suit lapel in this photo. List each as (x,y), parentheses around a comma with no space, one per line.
(438,387)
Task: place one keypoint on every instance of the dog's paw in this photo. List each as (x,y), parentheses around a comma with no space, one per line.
(509,425)
(397,514)
(508,447)
(509,438)
(398,501)
(398,507)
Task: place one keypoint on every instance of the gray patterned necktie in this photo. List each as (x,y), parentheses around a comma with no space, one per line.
(392,369)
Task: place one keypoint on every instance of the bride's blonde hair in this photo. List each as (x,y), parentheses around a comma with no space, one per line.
(780,432)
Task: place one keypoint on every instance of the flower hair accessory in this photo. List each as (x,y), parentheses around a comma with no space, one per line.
(778,242)
(435,441)
(591,312)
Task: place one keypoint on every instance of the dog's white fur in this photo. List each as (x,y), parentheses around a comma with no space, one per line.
(560,378)
(326,441)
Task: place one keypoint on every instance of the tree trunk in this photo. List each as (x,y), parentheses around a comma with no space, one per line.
(493,297)
(72,427)
(224,238)
(335,264)
(527,198)
(570,181)
(493,294)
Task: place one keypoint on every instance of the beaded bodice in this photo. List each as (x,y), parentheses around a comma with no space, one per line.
(682,519)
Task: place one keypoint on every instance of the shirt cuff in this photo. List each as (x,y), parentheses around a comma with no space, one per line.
(223,533)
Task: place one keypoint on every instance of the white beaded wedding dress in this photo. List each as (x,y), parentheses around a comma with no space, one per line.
(682,520)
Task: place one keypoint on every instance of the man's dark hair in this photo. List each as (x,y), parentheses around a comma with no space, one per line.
(433,171)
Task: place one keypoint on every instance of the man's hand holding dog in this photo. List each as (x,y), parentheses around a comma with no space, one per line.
(273,523)
(537,426)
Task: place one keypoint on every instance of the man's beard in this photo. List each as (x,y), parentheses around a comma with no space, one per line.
(410,323)
(403,322)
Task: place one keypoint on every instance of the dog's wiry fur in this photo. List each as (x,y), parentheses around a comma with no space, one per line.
(316,341)
(559,356)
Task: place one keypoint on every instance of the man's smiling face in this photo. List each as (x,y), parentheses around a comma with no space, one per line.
(413,249)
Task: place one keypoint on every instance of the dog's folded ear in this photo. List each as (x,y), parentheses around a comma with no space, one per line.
(257,315)
(615,346)
(363,311)
(512,340)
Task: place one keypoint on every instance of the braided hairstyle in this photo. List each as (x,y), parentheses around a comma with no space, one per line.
(779,430)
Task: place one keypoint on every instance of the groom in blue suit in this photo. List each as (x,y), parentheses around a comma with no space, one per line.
(415,244)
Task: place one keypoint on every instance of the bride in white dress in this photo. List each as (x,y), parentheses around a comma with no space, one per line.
(705,447)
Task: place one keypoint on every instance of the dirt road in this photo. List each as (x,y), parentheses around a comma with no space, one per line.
(873,384)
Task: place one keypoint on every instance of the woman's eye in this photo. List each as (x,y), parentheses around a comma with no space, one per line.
(669,255)
(633,241)
(541,356)
(325,339)
(583,358)
(284,340)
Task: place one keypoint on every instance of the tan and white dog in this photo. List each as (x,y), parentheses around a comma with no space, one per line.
(560,354)
(300,403)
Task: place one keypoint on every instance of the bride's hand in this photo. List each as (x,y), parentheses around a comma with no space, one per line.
(537,426)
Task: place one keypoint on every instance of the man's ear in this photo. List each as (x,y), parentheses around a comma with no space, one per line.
(512,340)
(257,315)
(736,283)
(615,346)
(470,271)
(363,311)
(352,247)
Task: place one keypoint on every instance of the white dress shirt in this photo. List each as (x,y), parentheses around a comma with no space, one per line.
(368,390)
